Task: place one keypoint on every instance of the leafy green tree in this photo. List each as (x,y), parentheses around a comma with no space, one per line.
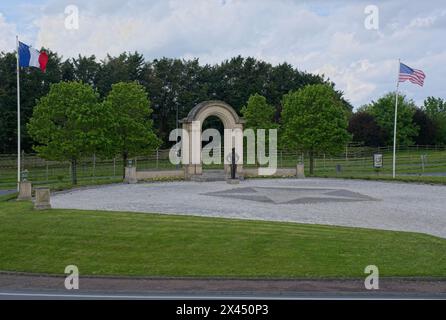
(258,114)
(131,130)
(384,112)
(68,123)
(435,109)
(314,120)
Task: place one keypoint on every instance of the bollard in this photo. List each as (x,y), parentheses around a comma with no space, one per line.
(300,171)
(42,198)
(338,169)
(25,191)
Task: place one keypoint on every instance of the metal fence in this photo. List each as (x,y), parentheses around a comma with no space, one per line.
(355,160)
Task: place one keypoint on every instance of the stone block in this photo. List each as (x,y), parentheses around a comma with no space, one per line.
(300,171)
(43,201)
(25,191)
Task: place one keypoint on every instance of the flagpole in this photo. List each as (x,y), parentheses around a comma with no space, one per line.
(396,119)
(18,117)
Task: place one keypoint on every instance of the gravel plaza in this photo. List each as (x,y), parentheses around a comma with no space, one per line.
(353,203)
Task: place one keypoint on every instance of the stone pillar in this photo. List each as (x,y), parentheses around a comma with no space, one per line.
(130,175)
(300,171)
(42,199)
(25,191)
(191,149)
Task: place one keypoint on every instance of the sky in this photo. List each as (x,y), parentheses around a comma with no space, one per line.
(331,37)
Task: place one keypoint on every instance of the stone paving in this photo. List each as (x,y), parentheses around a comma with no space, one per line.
(356,203)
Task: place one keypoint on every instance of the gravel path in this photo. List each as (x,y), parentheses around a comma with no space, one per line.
(5,192)
(356,203)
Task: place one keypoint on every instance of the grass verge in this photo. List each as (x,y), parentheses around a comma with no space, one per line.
(129,244)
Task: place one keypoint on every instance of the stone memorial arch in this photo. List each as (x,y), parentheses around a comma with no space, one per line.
(192,143)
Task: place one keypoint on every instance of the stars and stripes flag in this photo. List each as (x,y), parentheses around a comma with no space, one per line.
(413,75)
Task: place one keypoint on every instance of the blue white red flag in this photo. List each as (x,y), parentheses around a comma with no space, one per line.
(30,57)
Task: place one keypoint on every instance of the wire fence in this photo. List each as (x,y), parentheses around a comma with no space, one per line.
(355,160)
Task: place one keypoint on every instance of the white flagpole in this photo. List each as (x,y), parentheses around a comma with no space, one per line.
(396,119)
(18,116)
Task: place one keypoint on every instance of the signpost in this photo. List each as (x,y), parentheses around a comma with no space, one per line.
(378,162)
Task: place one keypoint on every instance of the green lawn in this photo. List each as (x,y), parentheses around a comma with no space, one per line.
(101,243)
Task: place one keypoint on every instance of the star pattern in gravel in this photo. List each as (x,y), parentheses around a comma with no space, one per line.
(291,195)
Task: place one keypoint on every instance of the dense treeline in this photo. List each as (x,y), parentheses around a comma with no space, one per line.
(170,83)
(174,84)
(372,125)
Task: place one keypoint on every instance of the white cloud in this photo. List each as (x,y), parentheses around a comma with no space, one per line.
(317,36)
(8,32)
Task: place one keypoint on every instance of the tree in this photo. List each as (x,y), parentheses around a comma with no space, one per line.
(365,129)
(173,84)
(314,120)
(384,112)
(435,109)
(69,123)
(86,69)
(131,129)
(124,68)
(33,85)
(162,79)
(427,132)
(258,113)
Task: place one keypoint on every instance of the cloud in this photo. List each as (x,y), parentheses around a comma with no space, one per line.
(326,37)
(8,32)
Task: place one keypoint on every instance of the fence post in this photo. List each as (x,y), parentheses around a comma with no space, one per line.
(157,158)
(94,166)
(46,173)
(281,158)
(114,167)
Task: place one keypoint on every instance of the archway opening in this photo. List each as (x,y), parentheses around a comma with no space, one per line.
(221,117)
(213,123)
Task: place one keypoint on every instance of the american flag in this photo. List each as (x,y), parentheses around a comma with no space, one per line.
(413,75)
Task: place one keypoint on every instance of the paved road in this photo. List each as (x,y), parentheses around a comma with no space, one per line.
(22,286)
(369,204)
(3,192)
(178,296)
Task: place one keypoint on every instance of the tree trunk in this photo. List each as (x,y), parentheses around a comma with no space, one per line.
(311,154)
(125,157)
(74,171)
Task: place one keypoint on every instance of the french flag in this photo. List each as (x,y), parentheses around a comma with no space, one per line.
(30,57)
